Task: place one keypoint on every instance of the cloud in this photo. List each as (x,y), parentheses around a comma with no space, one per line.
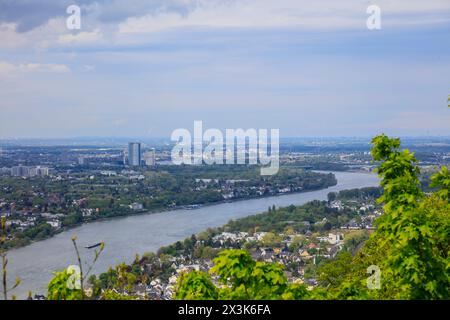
(325,14)
(80,38)
(119,10)
(88,68)
(28,15)
(10,68)
(42,24)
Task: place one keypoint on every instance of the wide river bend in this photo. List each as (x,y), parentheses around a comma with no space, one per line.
(124,237)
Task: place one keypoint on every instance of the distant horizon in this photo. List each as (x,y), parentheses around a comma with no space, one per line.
(168,137)
(141,138)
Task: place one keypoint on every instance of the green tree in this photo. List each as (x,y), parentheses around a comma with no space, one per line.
(196,285)
(415,225)
(4,259)
(241,278)
(59,288)
(270,239)
(334,272)
(354,239)
(412,240)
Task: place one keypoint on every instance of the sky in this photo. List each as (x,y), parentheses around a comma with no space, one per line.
(143,68)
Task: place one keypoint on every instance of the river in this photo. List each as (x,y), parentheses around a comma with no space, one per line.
(127,236)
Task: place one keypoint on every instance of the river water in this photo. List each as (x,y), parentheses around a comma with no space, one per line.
(127,236)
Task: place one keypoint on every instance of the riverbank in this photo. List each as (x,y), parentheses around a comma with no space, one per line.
(160,210)
(142,233)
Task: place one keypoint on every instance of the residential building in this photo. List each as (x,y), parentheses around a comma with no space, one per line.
(137,206)
(150,158)
(20,171)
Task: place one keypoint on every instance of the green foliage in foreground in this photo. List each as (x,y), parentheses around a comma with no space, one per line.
(4,262)
(241,278)
(59,288)
(410,247)
(412,242)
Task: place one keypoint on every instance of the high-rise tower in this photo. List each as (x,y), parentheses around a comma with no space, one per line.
(134,154)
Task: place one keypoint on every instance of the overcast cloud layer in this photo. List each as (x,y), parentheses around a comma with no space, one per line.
(147,67)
